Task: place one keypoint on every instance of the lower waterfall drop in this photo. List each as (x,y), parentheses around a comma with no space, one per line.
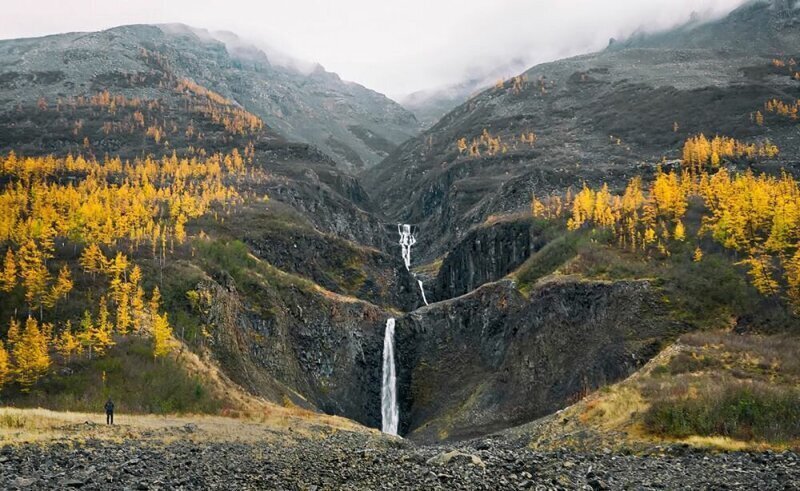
(389,411)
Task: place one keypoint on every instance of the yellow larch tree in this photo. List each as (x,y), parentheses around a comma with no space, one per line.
(67,343)
(86,335)
(13,334)
(680,231)
(93,260)
(8,276)
(5,366)
(61,287)
(103,328)
(30,355)
(163,342)
(34,274)
(792,267)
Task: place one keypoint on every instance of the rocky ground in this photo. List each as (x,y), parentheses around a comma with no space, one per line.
(346,460)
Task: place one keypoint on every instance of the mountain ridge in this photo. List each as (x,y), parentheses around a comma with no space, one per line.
(595,116)
(354,125)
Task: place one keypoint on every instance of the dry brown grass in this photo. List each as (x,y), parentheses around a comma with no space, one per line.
(43,425)
(698,364)
(246,418)
(780,353)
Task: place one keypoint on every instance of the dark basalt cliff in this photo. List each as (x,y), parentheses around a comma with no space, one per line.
(467,366)
(312,348)
(487,254)
(493,358)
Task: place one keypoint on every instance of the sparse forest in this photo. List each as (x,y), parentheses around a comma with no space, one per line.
(757,217)
(106,210)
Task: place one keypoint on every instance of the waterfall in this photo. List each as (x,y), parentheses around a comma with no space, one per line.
(422,289)
(406,241)
(389,410)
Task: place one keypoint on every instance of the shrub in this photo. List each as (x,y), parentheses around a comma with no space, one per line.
(740,410)
(690,362)
(12,421)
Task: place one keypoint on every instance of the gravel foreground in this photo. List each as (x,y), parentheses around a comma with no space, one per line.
(358,461)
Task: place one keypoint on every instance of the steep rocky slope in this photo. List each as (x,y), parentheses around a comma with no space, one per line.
(597,118)
(488,253)
(493,358)
(354,125)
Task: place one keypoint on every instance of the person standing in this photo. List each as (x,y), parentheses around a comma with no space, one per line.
(109,412)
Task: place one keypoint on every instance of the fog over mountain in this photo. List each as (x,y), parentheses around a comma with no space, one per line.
(394,47)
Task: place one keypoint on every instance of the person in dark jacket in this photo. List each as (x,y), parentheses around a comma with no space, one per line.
(109,412)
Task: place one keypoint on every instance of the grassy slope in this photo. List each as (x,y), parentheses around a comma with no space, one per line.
(710,387)
(188,381)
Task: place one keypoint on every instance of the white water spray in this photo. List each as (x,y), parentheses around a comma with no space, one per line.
(389,410)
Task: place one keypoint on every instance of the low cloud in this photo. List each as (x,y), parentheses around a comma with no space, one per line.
(394,47)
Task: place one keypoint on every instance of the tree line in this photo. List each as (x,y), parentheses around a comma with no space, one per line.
(756,216)
(102,209)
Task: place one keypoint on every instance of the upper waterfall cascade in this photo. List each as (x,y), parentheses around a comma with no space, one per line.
(407,240)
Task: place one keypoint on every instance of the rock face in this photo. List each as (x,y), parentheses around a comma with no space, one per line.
(487,254)
(299,345)
(338,265)
(492,359)
(468,366)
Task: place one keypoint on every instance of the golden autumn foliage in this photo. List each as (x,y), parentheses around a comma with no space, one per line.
(103,209)
(114,201)
(699,151)
(31,358)
(8,276)
(757,216)
(781,108)
(491,145)
(234,119)
(5,367)
(67,344)
(162,336)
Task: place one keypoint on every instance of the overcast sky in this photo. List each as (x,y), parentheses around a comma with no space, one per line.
(395,47)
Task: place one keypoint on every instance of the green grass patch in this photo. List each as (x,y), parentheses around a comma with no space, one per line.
(546,260)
